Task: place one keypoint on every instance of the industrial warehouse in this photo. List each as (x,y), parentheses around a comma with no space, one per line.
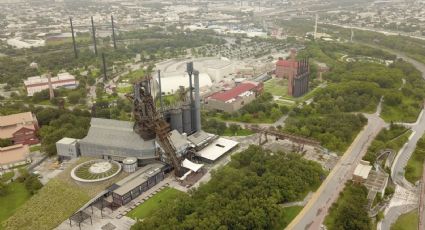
(159,141)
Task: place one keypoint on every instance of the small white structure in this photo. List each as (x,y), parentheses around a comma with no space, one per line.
(193,168)
(40,83)
(362,172)
(216,149)
(129,164)
(68,148)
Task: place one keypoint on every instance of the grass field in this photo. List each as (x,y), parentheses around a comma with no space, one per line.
(16,196)
(408,221)
(56,201)
(288,214)
(414,169)
(277,87)
(151,205)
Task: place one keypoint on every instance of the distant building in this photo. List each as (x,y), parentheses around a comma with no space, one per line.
(14,155)
(20,128)
(297,73)
(40,83)
(234,99)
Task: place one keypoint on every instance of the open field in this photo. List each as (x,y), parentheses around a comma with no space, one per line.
(414,167)
(154,203)
(408,221)
(277,87)
(16,196)
(56,201)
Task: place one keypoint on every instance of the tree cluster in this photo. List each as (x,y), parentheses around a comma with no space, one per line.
(349,212)
(242,195)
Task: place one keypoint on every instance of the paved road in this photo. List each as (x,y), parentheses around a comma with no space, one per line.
(313,214)
(397,170)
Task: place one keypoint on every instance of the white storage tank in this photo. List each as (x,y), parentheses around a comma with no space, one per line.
(129,164)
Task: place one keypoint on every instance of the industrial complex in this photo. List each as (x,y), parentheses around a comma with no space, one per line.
(159,141)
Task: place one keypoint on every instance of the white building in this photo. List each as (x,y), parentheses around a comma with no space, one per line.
(39,83)
(68,148)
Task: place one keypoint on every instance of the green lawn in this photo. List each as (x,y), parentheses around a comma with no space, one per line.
(414,167)
(413,170)
(16,196)
(154,203)
(288,214)
(277,87)
(408,221)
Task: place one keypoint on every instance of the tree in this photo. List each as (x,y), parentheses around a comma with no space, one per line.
(5,142)
(3,188)
(74,97)
(234,128)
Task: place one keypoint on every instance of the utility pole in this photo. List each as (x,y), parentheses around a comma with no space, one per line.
(73,38)
(315,27)
(104,67)
(94,36)
(113,32)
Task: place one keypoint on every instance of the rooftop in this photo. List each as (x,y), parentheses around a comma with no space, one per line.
(66,141)
(217,148)
(234,92)
(362,170)
(13,154)
(17,118)
(137,178)
(114,133)
(287,63)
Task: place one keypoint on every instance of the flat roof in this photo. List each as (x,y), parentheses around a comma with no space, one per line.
(137,178)
(66,141)
(200,137)
(13,154)
(217,148)
(362,171)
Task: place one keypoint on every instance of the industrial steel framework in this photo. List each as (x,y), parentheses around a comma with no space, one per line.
(150,124)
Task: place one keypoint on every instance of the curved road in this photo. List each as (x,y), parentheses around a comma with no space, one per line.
(397,170)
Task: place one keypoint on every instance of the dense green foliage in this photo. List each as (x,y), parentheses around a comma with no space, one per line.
(5,142)
(392,138)
(349,212)
(356,87)
(262,110)
(31,182)
(242,195)
(335,131)
(414,167)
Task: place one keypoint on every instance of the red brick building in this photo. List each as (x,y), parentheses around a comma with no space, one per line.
(297,73)
(21,128)
(232,100)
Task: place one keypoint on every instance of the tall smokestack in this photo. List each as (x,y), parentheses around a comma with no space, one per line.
(113,32)
(51,92)
(197,102)
(94,36)
(73,38)
(160,89)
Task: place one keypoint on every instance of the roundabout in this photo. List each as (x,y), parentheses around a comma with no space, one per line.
(95,171)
